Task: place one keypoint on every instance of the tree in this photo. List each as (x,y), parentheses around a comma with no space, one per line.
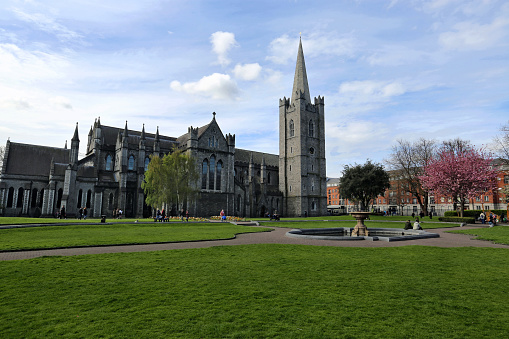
(2,152)
(170,180)
(501,143)
(461,174)
(407,161)
(361,183)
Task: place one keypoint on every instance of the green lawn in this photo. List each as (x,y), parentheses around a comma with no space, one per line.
(339,223)
(117,233)
(260,291)
(497,234)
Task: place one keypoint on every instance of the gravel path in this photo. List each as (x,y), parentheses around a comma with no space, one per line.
(277,236)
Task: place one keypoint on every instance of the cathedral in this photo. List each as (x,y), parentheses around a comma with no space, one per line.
(38,180)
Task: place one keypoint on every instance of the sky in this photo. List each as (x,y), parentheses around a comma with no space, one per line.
(389,70)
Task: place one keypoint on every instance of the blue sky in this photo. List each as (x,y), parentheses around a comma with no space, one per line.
(388,70)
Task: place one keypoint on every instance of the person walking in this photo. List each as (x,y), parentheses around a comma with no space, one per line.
(483,218)
(187,215)
(223,216)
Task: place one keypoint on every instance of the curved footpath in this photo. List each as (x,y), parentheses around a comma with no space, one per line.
(277,236)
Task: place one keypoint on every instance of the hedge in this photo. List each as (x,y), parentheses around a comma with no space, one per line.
(473,213)
(467,220)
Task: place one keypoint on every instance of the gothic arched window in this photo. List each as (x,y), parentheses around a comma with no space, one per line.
(204,172)
(212,170)
(130,164)
(108,163)
(311,128)
(147,160)
(89,199)
(19,203)
(218,175)
(10,197)
(292,128)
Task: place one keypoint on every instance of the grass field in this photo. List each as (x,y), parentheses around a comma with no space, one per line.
(115,234)
(260,291)
(497,234)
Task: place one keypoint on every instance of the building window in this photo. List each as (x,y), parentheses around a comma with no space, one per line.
(10,197)
(311,128)
(80,194)
(107,166)
(486,198)
(268,178)
(313,205)
(218,175)
(147,161)
(41,200)
(204,172)
(110,201)
(130,165)
(311,151)
(292,128)
(89,199)
(238,202)
(34,198)
(212,170)
(19,203)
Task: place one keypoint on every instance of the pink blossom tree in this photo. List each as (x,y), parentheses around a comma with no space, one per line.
(461,174)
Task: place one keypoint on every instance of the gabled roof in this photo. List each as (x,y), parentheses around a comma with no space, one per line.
(243,155)
(24,159)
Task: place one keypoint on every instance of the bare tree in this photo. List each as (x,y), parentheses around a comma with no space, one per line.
(409,159)
(456,146)
(501,143)
(2,152)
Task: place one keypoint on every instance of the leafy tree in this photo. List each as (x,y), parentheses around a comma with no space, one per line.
(407,161)
(361,183)
(170,180)
(462,174)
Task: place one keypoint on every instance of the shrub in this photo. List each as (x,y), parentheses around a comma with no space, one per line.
(468,220)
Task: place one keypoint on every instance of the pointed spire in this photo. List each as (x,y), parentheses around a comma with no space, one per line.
(157,134)
(125,135)
(65,147)
(75,136)
(99,122)
(214,115)
(91,131)
(143,133)
(300,81)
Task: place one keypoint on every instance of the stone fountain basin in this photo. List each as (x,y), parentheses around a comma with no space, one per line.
(375,234)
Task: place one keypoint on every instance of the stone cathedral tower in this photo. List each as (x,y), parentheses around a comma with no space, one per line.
(302,177)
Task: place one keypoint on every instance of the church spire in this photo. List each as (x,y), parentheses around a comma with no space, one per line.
(300,81)
(75,137)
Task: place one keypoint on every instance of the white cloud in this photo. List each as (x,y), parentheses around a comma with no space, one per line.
(222,42)
(14,104)
(370,90)
(474,36)
(61,102)
(216,86)
(283,49)
(48,25)
(247,72)
(23,66)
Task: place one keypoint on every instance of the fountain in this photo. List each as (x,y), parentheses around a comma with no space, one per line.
(361,232)
(360,229)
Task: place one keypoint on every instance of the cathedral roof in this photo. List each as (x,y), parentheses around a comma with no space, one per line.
(110,137)
(243,155)
(26,159)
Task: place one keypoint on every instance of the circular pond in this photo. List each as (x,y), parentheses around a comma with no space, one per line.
(375,234)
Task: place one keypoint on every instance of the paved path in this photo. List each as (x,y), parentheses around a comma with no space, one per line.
(277,236)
